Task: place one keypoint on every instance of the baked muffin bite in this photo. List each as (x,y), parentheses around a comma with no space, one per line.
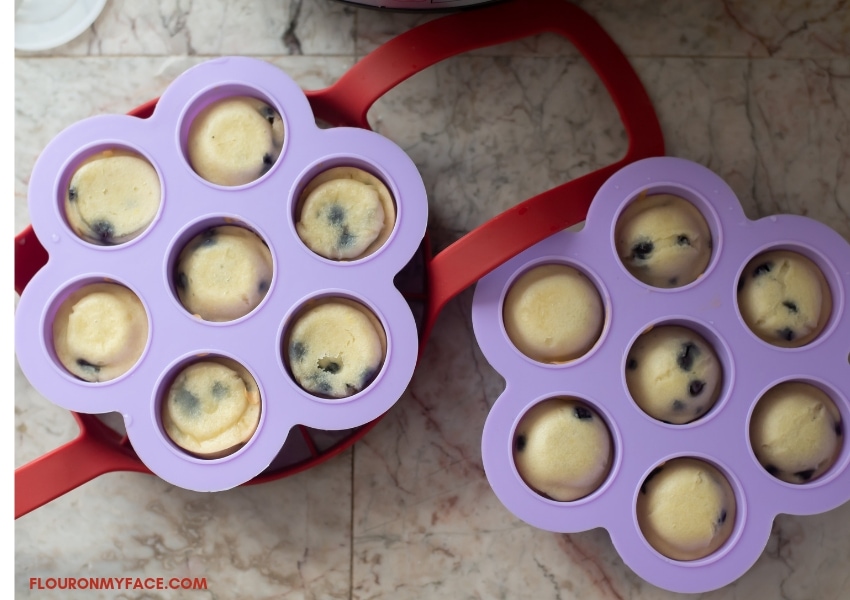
(686,509)
(796,432)
(673,374)
(112,197)
(562,449)
(223,273)
(553,313)
(335,348)
(345,213)
(784,298)
(663,240)
(212,407)
(235,140)
(100,331)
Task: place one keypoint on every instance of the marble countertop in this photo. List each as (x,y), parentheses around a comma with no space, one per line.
(757,92)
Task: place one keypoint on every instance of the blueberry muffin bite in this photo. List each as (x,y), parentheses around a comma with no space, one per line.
(223,273)
(235,140)
(345,213)
(335,348)
(112,197)
(562,449)
(100,331)
(212,407)
(673,374)
(686,509)
(796,432)
(784,298)
(663,240)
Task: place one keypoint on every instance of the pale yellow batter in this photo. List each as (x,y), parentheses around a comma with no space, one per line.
(335,348)
(784,298)
(345,213)
(686,509)
(235,140)
(562,449)
(212,407)
(663,240)
(100,331)
(673,374)
(796,432)
(112,197)
(223,273)
(553,313)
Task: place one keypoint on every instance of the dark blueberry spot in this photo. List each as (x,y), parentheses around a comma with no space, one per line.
(804,475)
(181,281)
(678,406)
(649,477)
(208,238)
(673,281)
(269,114)
(685,358)
(699,410)
(772,470)
(683,240)
(791,306)
(520,443)
(268,161)
(722,518)
(740,284)
(324,386)
(104,230)
(72,194)
(336,215)
(263,286)
(762,269)
(786,334)
(582,413)
(219,390)
(331,367)
(695,388)
(642,250)
(346,238)
(632,364)
(297,352)
(84,364)
(188,402)
(366,377)
(838,429)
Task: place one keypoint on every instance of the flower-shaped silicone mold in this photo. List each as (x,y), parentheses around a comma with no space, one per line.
(719,433)
(190,206)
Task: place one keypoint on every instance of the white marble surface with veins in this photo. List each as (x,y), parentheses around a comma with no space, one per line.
(757,92)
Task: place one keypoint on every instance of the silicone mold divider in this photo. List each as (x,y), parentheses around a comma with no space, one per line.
(99,450)
(640,443)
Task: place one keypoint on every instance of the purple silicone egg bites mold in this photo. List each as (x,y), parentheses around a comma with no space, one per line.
(641,443)
(189,205)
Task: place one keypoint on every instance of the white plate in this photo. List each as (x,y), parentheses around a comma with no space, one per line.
(43,24)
